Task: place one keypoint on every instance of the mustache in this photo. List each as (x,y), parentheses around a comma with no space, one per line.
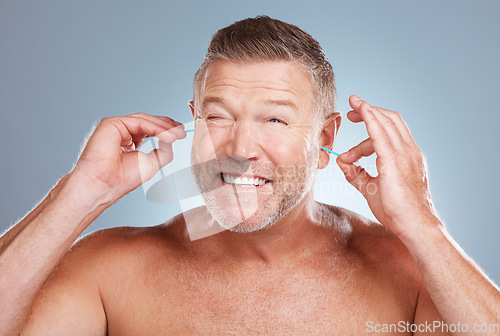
(238,166)
(182,182)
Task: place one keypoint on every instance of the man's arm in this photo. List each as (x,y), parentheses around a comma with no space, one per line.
(32,249)
(107,169)
(69,301)
(399,198)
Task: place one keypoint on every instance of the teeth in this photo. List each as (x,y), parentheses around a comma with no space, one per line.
(243,181)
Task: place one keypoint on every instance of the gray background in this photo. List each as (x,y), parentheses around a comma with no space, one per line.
(66,64)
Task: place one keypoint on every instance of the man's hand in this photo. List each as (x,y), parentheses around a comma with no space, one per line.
(110,161)
(399,196)
(107,169)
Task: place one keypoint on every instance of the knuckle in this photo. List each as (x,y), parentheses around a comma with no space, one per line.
(394,114)
(390,122)
(397,115)
(138,114)
(385,136)
(107,121)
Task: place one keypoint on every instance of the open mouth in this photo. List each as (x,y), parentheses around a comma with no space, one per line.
(244,181)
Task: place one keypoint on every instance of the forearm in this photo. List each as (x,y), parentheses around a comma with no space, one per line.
(458,287)
(30,251)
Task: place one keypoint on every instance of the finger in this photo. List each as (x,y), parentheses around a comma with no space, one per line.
(128,128)
(355,102)
(162,155)
(357,177)
(364,149)
(379,136)
(389,126)
(164,121)
(394,118)
(390,121)
(150,163)
(168,136)
(398,122)
(157,118)
(354,116)
(143,128)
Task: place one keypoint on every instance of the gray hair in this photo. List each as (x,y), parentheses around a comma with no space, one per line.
(265,39)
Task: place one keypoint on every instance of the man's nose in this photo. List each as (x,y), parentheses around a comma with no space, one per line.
(243,142)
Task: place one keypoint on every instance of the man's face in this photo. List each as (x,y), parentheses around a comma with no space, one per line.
(259,118)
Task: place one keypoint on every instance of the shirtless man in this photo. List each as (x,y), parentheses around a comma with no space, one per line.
(263,97)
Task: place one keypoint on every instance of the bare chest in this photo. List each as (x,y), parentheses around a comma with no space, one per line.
(256,302)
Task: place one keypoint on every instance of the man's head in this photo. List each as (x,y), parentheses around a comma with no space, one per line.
(263,39)
(263,106)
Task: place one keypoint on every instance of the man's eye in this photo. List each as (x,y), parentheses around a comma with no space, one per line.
(274,120)
(213,117)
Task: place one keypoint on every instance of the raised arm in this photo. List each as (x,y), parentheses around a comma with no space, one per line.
(399,198)
(107,169)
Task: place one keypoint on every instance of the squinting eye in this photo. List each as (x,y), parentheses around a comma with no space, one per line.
(214,117)
(277,121)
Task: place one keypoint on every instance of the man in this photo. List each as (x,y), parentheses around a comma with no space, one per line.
(264,101)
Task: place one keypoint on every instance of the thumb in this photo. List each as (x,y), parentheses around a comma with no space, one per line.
(356,176)
(160,157)
(152,162)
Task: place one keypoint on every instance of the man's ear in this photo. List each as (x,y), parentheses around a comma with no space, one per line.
(191,106)
(327,137)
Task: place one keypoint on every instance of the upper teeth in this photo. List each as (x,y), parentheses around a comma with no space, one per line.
(255,181)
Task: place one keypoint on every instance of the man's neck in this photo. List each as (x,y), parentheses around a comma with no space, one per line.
(299,233)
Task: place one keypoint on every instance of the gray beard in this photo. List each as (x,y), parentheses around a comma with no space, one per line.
(288,191)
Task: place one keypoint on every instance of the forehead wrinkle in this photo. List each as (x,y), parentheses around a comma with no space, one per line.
(219,97)
(208,87)
(214,80)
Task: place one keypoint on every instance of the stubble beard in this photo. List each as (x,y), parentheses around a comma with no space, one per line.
(230,210)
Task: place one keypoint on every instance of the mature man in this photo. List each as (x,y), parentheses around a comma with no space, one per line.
(264,101)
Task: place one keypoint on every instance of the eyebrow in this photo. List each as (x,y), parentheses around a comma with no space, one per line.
(211,100)
(281,102)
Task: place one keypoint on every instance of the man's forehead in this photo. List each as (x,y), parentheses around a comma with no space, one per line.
(283,77)
(210,99)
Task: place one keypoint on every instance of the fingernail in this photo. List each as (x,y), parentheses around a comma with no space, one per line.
(356,98)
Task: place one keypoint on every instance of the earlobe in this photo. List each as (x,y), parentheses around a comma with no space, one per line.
(327,138)
(324,159)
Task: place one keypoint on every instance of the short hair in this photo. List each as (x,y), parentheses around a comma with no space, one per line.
(266,39)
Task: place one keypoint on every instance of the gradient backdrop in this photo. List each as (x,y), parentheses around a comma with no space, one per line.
(66,64)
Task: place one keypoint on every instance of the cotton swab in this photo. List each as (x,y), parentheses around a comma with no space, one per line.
(330,151)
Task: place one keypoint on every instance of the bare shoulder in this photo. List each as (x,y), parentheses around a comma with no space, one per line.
(95,271)
(375,247)
(126,244)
